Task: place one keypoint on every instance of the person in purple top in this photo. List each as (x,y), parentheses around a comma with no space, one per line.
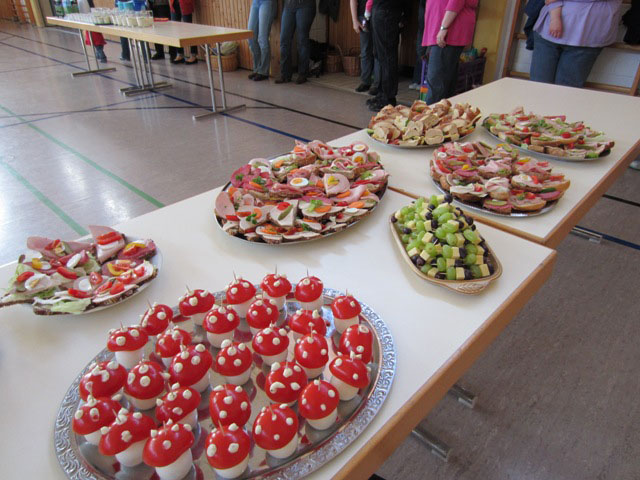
(568,37)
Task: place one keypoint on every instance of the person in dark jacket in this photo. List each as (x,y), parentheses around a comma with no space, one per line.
(386,19)
(532,9)
(182,10)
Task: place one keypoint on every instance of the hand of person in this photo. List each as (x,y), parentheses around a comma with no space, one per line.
(357,26)
(555,23)
(441,39)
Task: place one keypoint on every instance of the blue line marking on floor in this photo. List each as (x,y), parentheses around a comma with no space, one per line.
(613,239)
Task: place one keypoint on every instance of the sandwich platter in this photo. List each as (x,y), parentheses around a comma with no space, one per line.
(310,193)
(550,137)
(422,125)
(59,277)
(280,428)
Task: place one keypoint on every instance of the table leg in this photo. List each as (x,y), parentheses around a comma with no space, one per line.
(135,69)
(214,109)
(141,57)
(89,71)
(433,443)
(592,237)
(464,396)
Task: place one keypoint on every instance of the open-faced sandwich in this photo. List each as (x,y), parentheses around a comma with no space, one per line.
(423,124)
(552,135)
(496,178)
(312,191)
(62,277)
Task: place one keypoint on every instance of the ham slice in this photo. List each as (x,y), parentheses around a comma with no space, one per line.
(39,245)
(335,184)
(354,194)
(224,206)
(105,252)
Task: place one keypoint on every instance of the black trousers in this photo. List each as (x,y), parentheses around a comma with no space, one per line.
(386,37)
(160,11)
(177,16)
(442,72)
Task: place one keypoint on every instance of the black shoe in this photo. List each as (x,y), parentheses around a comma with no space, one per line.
(157,56)
(373,91)
(301,79)
(373,100)
(259,77)
(252,75)
(379,104)
(282,80)
(362,87)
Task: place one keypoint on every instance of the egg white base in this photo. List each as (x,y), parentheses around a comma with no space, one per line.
(202,384)
(242,308)
(287,450)
(144,403)
(345,391)
(313,372)
(254,331)
(233,472)
(190,419)
(280,301)
(216,339)
(129,359)
(177,469)
(94,437)
(324,422)
(271,359)
(342,324)
(132,455)
(314,305)
(239,379)
(198,318)
(186,325)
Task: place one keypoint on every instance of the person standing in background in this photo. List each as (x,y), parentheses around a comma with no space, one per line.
(369,66)
(261,17)
(386,19)
(568,37)
(448,28)
(297,15)
(160,9)
(182,10)
(420,50)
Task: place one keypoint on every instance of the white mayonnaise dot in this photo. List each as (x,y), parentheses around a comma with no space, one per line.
(187,394)
(193,301)
(276,341)
(287,372)
(211,450)
(258,430)
(145,381)
(233,448)
(126,436)
(120,341)
(323,407)
(144,368)
(355,376)
(276,437)
(289,421)
(238,389)
(237,362)
(244,405)
(230,317)
(200,348)
(223,414)
(331,393)
(195,360)
(161,315)
(178,367)
(221,360)
(175,428)
(295,386)
(166,444)
(78,414)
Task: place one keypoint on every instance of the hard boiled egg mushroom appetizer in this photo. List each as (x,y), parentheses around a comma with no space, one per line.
(348,375)
(126,436)
(276,287)
(193,307)
(229,404)
(156,319)
(169,450)
(128,344)
(240,295)
(346,311)
(92,416)
(180,405)
(284,382)
(312,354)
(170,342)
(104,379)
(145,383)
(271,344)
(190,367)
(227,450)
(275,430)
(220,324)
(234,362)
(318,404)
(359,340)
(304,322)
(262,313)
(309,292)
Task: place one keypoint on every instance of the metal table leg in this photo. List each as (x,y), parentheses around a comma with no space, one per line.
(464,396)
(90,71)
(141,59)
(214,109)
(592,237)
(433,443)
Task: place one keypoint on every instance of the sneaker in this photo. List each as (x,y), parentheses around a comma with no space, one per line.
(373,91)
(282,80)
(258,77)
(635,164)
(363,87)
(301,79)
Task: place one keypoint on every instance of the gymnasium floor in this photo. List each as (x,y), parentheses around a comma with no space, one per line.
(558,389)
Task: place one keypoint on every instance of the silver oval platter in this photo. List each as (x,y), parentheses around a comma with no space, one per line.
(471,206)
(412,147)
(540,154)
(81,460)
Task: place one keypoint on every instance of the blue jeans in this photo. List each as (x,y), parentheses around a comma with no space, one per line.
(420,50)
(442,72)
(561,64)
(261,17)
(369,65)
(297,15)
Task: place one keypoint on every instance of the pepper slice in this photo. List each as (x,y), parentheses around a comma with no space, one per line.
(104,287)
(23,277)
(78,293)
(66,273)
(108,238)
(117,287)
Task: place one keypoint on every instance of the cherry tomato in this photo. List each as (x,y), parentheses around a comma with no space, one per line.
(104,287)
(108,238)
(126,277)
(23,277)
(467,149)
(78,293)
(566,135)
(66,273)
(525,129)
(233,218)
(283,205)
(527,141)
(535,179)
(117,287)
(140,271)
(529,196)
(95,278)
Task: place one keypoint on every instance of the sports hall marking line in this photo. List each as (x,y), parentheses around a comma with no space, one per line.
(188,102)
(622,200)
(613,239)
(62,114)
(189,82)
(90,162)
(45,200)
(34,68)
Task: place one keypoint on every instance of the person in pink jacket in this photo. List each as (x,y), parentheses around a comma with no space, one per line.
(448,28)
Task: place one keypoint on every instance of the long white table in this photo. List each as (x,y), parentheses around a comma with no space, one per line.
(617,115)
(438,333)
(175,34)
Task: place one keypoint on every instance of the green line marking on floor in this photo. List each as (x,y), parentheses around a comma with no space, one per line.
(88,161)
(46,200)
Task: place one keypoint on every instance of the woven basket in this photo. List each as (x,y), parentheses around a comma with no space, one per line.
(351,63)
(333,61)
(229,62)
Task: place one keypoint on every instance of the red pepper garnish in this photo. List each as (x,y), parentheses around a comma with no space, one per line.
(566,135)
(140,271)
(66,273)
(283,206)
(23,277)
(52,245)
(527,140)
(529,196)
(108,238)
(95,278)
(78,293)
(117,287)
(233,218)
(105,286)
(535,179)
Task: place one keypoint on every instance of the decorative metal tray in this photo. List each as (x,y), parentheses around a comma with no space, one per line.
(412,147)
(540,154)
(516,214)
(82,461)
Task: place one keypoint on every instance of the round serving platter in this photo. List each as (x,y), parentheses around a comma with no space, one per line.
(82,461)
(517,214)
(540,154)
(413,147)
